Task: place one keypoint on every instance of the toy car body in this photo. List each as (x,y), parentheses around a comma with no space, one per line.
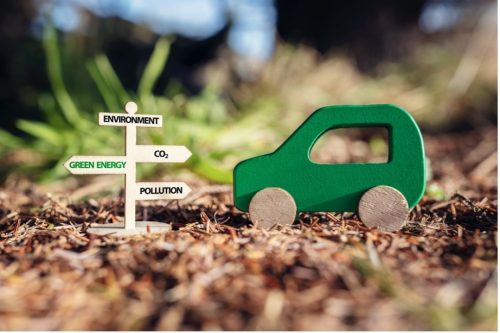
(337,187)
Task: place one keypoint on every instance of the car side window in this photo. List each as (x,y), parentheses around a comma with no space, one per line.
(351,145)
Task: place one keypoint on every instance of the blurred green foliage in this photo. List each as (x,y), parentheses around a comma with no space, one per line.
(229,120)
(217,137)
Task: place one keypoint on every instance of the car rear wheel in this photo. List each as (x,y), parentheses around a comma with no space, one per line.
(272,206)
(383,207)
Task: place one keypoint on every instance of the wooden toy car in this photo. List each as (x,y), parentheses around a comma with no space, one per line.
(274,187)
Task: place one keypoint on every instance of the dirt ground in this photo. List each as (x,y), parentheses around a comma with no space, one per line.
(215,271)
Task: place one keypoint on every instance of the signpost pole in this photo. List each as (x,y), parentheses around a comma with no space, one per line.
(130,176)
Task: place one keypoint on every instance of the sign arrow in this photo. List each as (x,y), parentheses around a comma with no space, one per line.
(161,190)
(92,165)
(161,154)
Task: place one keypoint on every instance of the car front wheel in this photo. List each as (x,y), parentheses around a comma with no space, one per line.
(272,206)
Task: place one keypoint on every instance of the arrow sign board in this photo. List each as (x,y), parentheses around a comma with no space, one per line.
(161,154)
(161,190)
(91,165)
(117,119)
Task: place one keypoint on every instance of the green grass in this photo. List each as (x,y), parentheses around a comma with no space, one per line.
(217,135)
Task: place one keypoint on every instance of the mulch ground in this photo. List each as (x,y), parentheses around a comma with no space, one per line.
(214,270)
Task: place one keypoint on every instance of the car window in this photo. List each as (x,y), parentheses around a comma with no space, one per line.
(352,145)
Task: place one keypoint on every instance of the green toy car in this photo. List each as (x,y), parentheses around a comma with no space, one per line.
(274,187)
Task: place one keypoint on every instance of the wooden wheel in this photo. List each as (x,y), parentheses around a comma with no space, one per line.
(383,207)
(272,206)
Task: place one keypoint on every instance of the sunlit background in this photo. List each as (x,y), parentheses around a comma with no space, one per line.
(232,78)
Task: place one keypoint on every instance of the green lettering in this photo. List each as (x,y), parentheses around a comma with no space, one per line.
(81,165)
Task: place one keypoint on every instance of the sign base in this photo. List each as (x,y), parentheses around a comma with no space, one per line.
(118,229)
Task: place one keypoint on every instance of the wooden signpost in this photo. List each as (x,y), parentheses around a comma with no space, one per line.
(126,165)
